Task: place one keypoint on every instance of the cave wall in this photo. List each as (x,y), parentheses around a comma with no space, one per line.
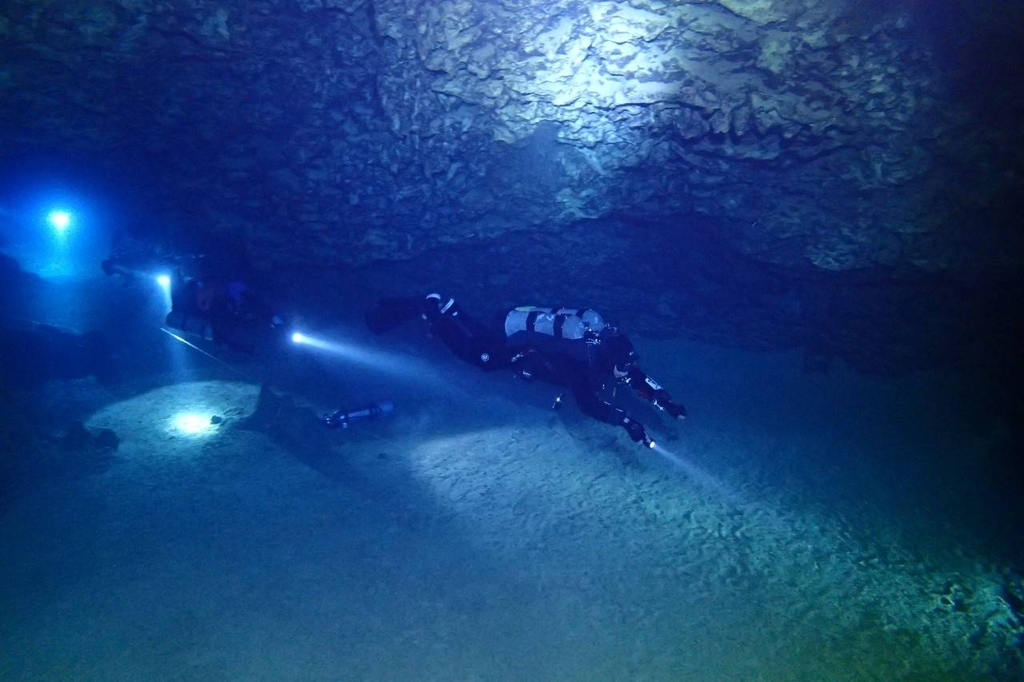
(832,142)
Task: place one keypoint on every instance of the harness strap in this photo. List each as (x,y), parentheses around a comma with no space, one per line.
(559,323)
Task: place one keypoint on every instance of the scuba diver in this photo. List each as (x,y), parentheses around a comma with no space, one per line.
(224,311)
(207,299)
(572,347)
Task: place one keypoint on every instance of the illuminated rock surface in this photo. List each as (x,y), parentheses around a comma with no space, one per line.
(797,149)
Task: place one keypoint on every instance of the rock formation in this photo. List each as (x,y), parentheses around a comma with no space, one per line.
(834,163)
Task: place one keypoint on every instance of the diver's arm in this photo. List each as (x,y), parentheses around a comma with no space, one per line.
(602,410)
(592,405)
(651,391)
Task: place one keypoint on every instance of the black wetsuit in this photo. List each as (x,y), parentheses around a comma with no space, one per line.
(583,365)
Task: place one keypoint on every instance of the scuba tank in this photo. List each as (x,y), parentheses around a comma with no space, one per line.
(341,418)
(558,322)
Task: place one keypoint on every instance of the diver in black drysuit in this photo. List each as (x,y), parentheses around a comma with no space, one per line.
(566,346)
(222,310)
(214,304)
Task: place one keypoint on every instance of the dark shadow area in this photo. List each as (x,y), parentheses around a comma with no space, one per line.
(299,432)
(977,43)
(40,440)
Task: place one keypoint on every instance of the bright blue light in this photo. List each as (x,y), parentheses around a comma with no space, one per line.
(164,280)
(319,343)
(59,220)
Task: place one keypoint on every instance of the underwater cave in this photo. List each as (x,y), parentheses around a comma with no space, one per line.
(234,445)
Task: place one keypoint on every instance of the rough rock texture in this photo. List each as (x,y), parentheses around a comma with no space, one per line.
(813,139)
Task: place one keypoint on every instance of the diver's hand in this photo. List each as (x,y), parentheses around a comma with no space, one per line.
(635,429)
(664,401)
(677,411)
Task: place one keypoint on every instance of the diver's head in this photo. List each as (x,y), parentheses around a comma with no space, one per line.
(618,351)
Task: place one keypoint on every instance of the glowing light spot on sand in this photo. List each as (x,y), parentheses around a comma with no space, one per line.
(175,421)
(192,423)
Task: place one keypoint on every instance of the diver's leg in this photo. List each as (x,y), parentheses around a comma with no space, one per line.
(465,337)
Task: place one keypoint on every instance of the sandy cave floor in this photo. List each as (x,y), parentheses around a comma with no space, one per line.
(795,527)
